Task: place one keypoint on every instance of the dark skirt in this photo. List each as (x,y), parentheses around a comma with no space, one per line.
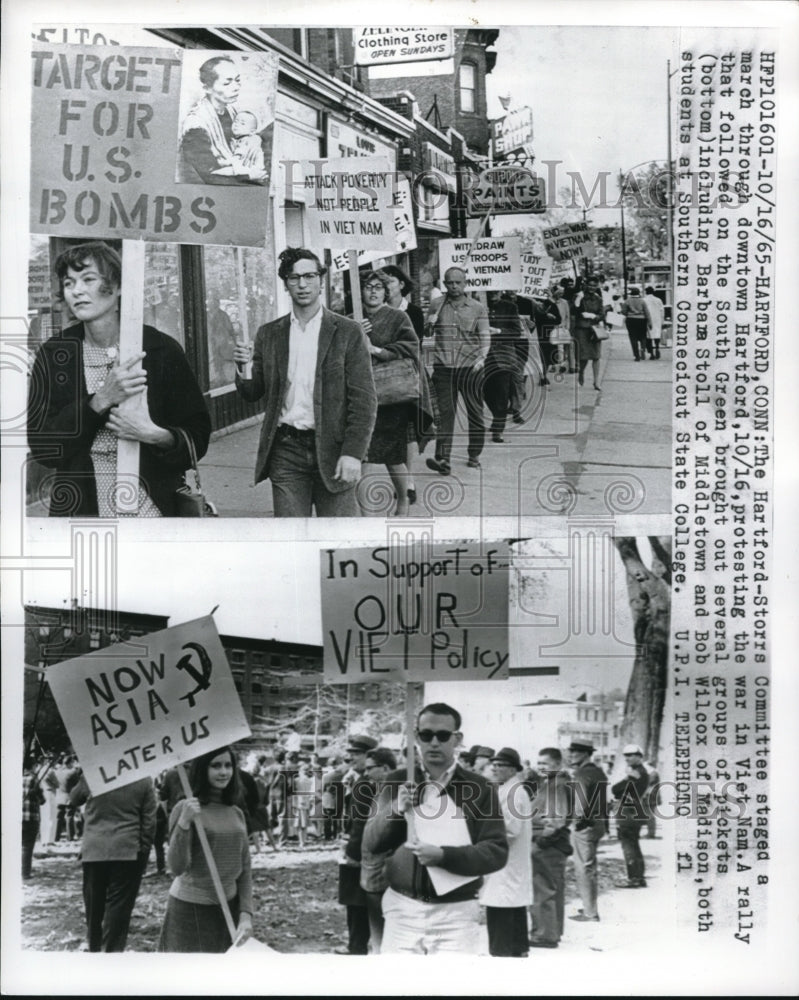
(190,927)
(389,444)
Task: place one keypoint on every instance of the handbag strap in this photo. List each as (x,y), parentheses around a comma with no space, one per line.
(189,441)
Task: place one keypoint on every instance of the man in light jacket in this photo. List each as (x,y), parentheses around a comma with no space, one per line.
(507,893)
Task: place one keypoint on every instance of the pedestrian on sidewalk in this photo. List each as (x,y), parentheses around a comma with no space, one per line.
(589,314)
(551,847)
(636,319)
(654,312)
(632,793)
(313,369)
(502,361)
(460,348)
(32,801)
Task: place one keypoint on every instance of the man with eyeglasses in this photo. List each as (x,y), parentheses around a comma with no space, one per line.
(314,370)
(460,348)
(430,904)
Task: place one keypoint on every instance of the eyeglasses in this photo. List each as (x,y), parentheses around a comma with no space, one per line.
(295,279)
(442,735)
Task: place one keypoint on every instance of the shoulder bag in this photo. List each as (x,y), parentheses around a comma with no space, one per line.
(396,381)
(192,502)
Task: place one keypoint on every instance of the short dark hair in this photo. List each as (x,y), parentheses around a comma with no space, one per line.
(440,708)
(198,778)
(649,290)
(400,275)
(553,753)
(208,71)
(383,757)
(105,259)
(289,257)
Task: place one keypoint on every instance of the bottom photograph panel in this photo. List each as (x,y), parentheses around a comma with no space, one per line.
(432,747)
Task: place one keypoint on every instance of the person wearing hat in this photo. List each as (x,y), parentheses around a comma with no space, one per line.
(589,812)
(632,793)
(483,759)
(430,904)
(551,846)
(507,893)
(356,810)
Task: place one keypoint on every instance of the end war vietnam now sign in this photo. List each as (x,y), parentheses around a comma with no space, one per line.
(134,709)
(418,612)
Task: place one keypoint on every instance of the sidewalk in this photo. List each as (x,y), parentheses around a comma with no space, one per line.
(579,451)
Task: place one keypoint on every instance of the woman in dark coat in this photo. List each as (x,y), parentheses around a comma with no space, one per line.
(391,336)
(502,364)
(78,384)
(588,311)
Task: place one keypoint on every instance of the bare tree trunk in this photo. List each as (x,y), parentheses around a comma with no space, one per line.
(650,603)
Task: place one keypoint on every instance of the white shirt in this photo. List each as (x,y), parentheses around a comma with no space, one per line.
(303,347)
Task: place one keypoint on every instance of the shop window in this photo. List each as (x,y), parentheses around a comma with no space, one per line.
(466,80)
(163,301)
(239,294)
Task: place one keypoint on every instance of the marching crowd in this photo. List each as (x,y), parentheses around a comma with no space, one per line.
(336,393)
(418,858)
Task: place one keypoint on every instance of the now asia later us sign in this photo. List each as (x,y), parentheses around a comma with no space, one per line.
(136,708)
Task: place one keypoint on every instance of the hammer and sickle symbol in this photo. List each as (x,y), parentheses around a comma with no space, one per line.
(201,677)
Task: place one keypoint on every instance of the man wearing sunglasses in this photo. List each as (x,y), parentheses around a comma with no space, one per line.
(314,370)
(430,904)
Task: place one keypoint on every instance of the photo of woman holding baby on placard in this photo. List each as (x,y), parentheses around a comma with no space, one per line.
(226,133)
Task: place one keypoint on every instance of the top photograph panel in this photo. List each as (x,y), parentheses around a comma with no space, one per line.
(350,272)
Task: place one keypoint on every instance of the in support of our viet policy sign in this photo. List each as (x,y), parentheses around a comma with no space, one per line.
(415,613)
(134,709)
(490,264)
(384,46)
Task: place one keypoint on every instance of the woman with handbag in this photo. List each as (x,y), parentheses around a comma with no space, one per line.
(194,920)
(392,342)
(589,313)
(78,383)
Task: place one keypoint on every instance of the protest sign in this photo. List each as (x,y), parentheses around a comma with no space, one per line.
(568,241)
(350,203)
(404,232)
(385,46)
(134,709)
(536,273)
(123,145)
(489,263)
(419,612)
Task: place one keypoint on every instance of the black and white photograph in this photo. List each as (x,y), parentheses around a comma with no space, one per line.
(397,534)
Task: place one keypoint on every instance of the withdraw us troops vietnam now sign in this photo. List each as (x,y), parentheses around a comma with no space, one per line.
(134,709)
(126,144)
(417,612)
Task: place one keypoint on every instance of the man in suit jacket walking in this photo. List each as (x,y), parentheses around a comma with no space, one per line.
(314,371)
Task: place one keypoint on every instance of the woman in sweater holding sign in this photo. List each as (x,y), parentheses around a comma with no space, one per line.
(194,918)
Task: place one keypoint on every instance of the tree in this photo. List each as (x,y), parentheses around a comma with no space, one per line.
(649,592)
(644,194)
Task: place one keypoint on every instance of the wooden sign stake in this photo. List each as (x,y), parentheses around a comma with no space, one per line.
(131,319)
(355,285)
(413,695)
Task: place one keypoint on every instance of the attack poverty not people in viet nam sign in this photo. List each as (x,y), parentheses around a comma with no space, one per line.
(349,203)
(126,143)
(133,709)
(419,612)
(491,264)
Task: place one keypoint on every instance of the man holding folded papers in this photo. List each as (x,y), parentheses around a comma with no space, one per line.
(446,831)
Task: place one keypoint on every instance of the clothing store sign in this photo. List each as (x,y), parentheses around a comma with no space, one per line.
(491,264)
(386,46)
(415,613)
(110,157)
(133,709)
(349,203)
(568,241)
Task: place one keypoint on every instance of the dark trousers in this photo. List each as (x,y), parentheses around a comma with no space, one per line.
(449,384)
(297,485)
(357,930)
(110,889)
(497,390)
(30,831)
(507,931)
(636,331)
(629,831)
(549,888)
